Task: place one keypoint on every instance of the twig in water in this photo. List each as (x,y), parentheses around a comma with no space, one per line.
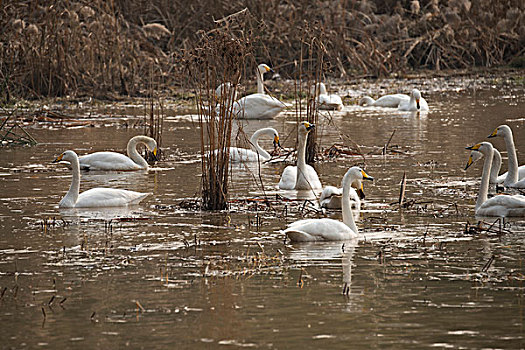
(488,264)
(388,142)
(402,190)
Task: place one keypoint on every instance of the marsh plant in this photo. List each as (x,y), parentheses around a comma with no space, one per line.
(219,57)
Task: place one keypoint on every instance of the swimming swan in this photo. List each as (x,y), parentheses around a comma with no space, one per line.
(95,197)
(259,105)
(331,196)
(515,177)
(117,161)
(329,229)
(247,155)
(302,176)
(500,205)
(402,102)
(324,100)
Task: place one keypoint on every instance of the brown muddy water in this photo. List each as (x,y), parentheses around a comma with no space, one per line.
(161,276)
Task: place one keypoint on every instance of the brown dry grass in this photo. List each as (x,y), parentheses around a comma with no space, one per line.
(101,48)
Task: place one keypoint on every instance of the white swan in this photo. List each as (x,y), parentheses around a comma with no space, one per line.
(95,197)
(402,102)
(494,170)
(247,155)
(113,161)
(515,177)
(259,105)
(500,205)
(331,196)
(302,176)
(329,229)
(324,100)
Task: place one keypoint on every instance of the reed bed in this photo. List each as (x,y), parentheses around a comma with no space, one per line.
(103,48)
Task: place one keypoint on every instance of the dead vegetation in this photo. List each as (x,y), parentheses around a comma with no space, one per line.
(101,49)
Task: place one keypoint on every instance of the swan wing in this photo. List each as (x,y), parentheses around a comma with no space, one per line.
(521,175)
(312,177)
(108,197)
(391,100)
(107,161)
(258,106)
(319,230)
(329,102)
(288,178)
(503,206)
(238,155)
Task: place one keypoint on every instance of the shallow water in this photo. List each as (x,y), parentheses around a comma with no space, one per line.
(158,275)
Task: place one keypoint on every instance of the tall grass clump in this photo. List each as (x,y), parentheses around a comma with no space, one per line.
(219,57)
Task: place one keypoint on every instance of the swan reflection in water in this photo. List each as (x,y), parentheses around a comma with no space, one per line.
(327,254)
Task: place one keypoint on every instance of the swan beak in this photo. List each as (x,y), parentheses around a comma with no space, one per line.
(475,147)
(276,142)
(469,163)
(59,158)
(309,126)
(155,152)
(366,176)
(361,192)
(417,103)
(494,133)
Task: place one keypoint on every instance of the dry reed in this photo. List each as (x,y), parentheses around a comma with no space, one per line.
(99,48)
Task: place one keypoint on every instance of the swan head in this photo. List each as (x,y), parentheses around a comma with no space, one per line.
(151,144)
(502,130)
(356,174)
(417,96)
(263,68)
(474,157)
(484,147)
(305,127)
(67,156)
(276,142)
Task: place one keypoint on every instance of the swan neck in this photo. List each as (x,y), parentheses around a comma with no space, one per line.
(133,152)
(348,217)
(260,82)
(71,196)
(484,186)
(512,176)
(496,166)
(301,155)
(255,142)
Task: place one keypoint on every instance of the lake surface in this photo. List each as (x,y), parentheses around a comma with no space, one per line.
(161,275)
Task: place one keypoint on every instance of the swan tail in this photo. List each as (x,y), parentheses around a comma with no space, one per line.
(366,101)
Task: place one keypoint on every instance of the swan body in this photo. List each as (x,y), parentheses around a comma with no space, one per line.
(247,155)
(259,105)
(331,197)
(512,178)
(113,161)
(330,229)
(324,100)
(402,102)
(302,176)
(95,197)
(500,205)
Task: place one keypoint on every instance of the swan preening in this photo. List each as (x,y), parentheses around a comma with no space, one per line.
(302,176)
(515,177)
(254,106)
(402,102)
(113,161)
(324,100)
(329,229)
(247,155)
(500,205)
(331,196)
(95,197)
